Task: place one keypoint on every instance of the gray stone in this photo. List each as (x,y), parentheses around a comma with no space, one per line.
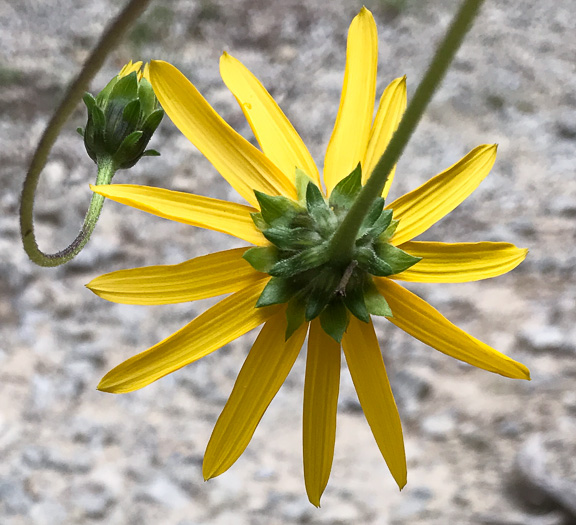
(94,500)
(296,510)
(13,496)
(520,518)
(40,457)
(409,391)
(546,339)
(439,426)
(48,513)
(413,502)
(535,486)
(162,490)
(563,206)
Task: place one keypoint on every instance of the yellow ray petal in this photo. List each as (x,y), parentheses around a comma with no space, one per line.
(245,167)
(390,111)
(277,137)
(261,376)
(204,212)
(460,262)
(351,132)
(375,395)
(217,326)
(130,68)
(200,278)
(320,403)
(426,205)
(416,317)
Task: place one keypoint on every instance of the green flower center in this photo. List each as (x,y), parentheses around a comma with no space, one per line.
(304,273)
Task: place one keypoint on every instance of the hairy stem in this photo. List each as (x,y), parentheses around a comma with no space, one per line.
(342,244)
(73,95)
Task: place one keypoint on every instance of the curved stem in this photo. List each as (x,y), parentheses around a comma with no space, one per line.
(107,42)
(342,244)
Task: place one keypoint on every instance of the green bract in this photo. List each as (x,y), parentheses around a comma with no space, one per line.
(304,274)
(121,121)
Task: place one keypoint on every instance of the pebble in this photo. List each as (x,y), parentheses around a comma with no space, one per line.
(533,484)
(546,339)
(409,391)
(94,500)
(13,496)
(40,457)
(413,502)
(163,491)
(439,426)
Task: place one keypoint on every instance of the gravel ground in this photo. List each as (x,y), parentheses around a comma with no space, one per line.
(481,449)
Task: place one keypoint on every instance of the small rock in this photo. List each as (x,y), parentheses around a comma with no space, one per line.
(563,206)
(296,510)
(162,490)
(545,339)
(340,513)
(533,485)
(474,437)
(186,472)
(411,504)
(13,496)
(409,391)
(566,127)
(569,401)
(509,428)
(38,457)
(439,426)
(94,500)
(48,513)
(517,518)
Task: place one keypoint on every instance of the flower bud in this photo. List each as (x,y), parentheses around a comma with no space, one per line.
(122,118)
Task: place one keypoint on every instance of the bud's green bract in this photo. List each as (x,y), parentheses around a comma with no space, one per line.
(122,119)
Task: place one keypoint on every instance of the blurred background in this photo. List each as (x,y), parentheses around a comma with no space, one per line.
(481,449)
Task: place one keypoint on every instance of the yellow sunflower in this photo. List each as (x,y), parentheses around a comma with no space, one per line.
(292,280)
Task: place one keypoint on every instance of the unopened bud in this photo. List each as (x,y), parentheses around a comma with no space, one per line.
(122,118)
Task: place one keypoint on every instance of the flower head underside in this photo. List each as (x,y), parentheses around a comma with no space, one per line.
(290,279)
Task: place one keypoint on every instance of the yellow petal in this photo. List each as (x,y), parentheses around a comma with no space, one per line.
(204,212)
(426,205)
(261,376)
(217,326)
(200,278)
(375,395)
(130,68)
(460,262)
(320,403)
(390,111)
(416,317)
(245,167)
(349,140)
(277,137)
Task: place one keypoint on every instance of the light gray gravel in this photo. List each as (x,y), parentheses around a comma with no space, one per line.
(70,454)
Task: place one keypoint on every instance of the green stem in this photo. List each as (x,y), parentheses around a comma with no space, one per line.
(342,244)
(107,42)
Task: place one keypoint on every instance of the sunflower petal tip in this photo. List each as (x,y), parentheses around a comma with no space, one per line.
(103,387)
(207,475)
(365,11)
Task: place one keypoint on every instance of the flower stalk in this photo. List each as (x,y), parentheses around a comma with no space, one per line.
(344,239)
(107,42)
